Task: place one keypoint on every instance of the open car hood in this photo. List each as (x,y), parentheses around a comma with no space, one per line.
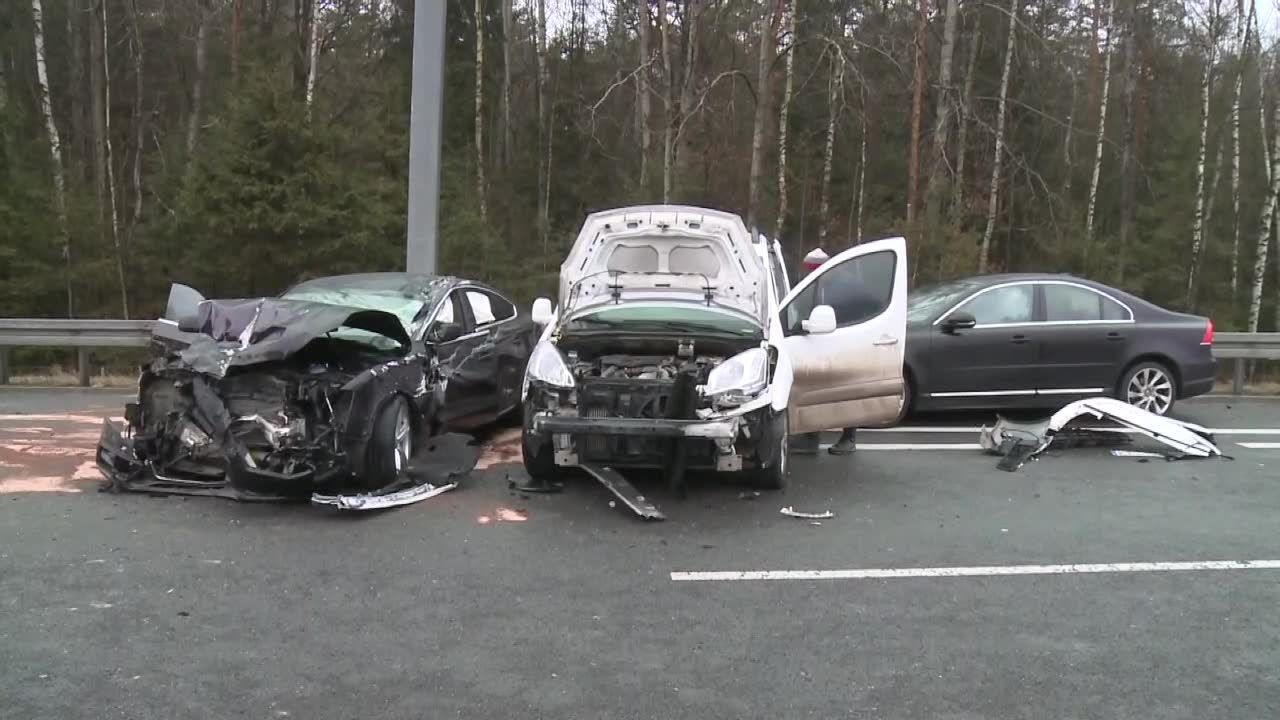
(671,250)
(229,333)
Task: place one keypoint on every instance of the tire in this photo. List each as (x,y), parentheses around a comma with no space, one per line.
(537,452)
(774,477)
(908,397)
(391,445)
(1149,386)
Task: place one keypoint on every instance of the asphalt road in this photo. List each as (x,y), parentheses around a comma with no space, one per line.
(140,607)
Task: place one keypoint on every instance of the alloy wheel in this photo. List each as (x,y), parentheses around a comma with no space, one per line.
(1150,389)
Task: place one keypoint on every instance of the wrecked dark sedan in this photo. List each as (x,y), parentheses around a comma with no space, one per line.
(325,392)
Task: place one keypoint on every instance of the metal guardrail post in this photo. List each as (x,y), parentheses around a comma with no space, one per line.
(4,366)
(1237,378)
(82,366)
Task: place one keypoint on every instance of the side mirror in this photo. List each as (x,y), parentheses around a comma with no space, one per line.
(183,301)
(822,320)
(542,311)
(958,321)
(443,332)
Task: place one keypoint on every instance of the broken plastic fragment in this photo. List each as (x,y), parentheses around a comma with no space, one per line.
(792,512)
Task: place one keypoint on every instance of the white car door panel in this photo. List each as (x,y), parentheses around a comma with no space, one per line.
(852,376)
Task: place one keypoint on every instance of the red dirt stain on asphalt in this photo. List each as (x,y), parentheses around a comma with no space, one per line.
(502,449)
(56,455)
(509,515)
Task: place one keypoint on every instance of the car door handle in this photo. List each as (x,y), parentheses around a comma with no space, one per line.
(886,340)
(1114,336)
(1019,339)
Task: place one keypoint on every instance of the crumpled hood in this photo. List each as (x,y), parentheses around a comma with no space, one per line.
(245,332)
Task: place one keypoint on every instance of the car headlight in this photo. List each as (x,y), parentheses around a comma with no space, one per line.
(547,365)
(740,377)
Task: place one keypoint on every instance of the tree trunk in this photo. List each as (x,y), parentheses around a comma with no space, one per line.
(835,85)
(197,82)
(1264,234)
(1103,103)
(917,111)
(1216,171)
(481,192)
(1197,231)
(77,137)
(962,137)
(784,111)
(55,146)
(111,174)
(544,145)
(935,192)
(97,110)
(1132,67)
(139,123)
(1242,44)
(668,131)
(508,46)
(993,200)
(862,164)
(237,28)
(313,56)
(759,125)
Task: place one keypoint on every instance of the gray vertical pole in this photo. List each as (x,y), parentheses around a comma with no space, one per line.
(426,113)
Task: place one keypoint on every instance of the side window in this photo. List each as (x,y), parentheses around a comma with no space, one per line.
(502,310)
(1011,304)
(487,308)
(857,290)
(446,314)
(449,321)
(1065,303)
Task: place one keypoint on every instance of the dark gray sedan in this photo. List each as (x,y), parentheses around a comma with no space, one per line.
(1006,341)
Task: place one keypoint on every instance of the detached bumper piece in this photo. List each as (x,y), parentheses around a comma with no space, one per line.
(625,491)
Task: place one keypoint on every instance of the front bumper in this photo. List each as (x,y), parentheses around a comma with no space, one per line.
(548,424)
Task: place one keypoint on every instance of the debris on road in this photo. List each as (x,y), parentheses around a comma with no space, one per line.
(1136,454)
(625,491)
(748,494)
(792,512)
(1019,442)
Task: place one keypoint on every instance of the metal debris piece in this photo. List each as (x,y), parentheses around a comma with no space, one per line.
(625,491)
(792,512)
(1136,454)
(375,501)
(1020,442)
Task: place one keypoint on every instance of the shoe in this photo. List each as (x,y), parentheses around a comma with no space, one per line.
(843,447)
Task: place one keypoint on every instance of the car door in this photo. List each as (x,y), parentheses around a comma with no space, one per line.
(506,348)
(1084,340)
(852,376)
(453,336)
(997,359)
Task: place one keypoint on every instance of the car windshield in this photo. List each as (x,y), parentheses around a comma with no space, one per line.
(924,304)
(403,306)
(679,318)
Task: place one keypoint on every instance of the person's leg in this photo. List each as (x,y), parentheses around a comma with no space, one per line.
(805,444)
(846,444)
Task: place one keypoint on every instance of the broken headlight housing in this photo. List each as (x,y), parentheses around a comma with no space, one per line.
(739,378)
(547,365)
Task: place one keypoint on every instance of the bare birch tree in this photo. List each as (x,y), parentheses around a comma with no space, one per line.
(935,191)
(962,132)
(1242,45)
(784,111)
(1265,222)
(481,192)
(313,55)
(993,200)
(111,174)
(917,109)
(55,146)
(202,62)
(760,119)
(1197,231)
(508,44)
(1102,132)
(544,144)
(139,123)
(669,110)
(835,86)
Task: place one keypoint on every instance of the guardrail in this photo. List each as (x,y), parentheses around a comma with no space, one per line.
(86,334)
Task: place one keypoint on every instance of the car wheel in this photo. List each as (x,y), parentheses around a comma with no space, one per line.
(537,451)
(908,398)
(1149,386)
(774,477)
(391,444)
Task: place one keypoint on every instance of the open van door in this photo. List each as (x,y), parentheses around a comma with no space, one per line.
(844,328)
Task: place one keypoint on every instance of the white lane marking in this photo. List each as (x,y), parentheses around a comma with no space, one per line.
(913,446)
(979,571)
(1260,445)
(949,429)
